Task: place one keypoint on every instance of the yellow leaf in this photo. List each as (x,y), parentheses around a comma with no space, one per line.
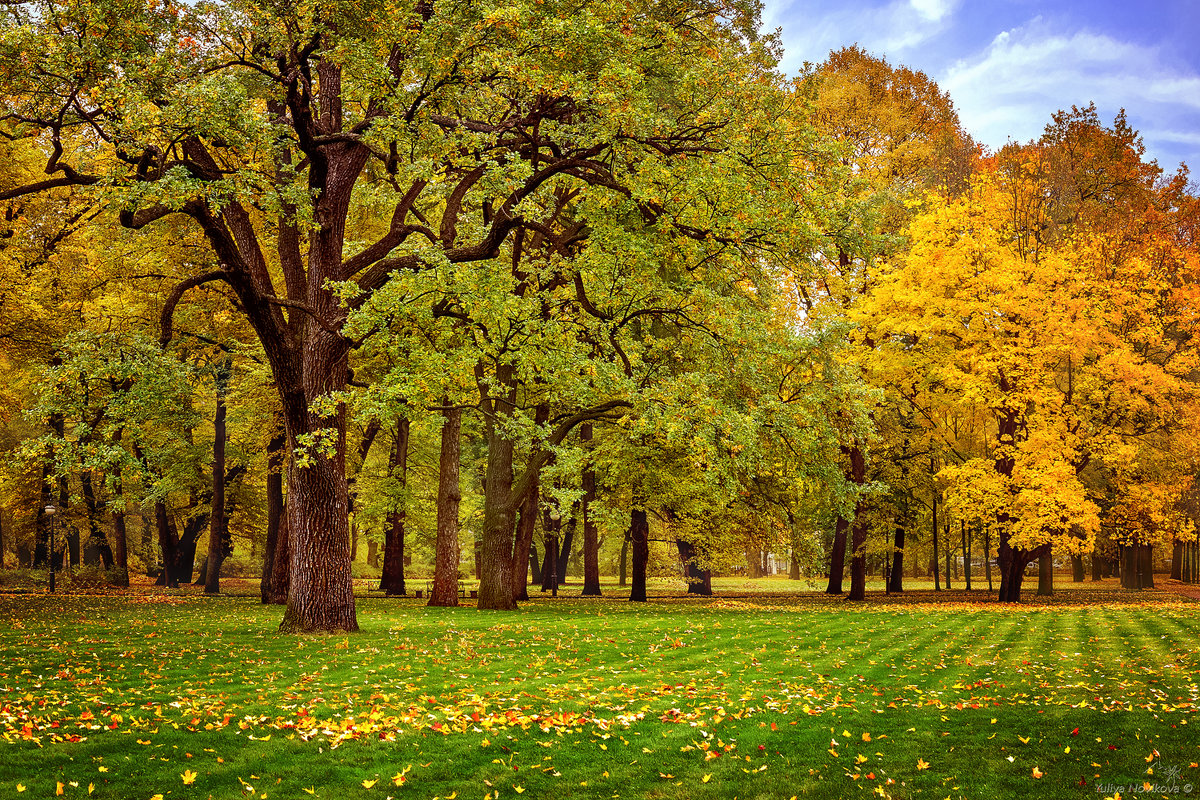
(311,790)
(866,737)
(157,797)
(1037,773)
(519,789)
(922,764)
(102,769)
(369,784)
(188,776)
(1067,749)
(91,788)
(452,795)
(20,787)
(846,734)
(706,778)
(59,790)
(1024,739)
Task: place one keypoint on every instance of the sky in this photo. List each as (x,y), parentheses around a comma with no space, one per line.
(1010,64)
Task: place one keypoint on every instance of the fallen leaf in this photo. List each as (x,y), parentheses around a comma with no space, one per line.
(1037,773)
(369,784)
(188,777)
(922,764)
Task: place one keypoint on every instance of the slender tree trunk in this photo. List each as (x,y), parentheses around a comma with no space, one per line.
(591,540)
(535,567)
(275,454)
(551,524)
(896,579)
(568,541)
(987,555)
(527,523)
(858,537)
(445,570)
(966,551)
(1045,575)
(933,563)
(218,533)
(167,543)
(97,542)
(639,534)
(949,552)
(392,579)
(837,557)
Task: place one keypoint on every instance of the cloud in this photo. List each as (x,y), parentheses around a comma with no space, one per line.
(1010,89)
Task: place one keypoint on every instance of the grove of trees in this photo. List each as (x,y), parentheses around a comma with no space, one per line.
(281,283)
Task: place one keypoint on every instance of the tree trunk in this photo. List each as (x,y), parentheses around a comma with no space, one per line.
(535,567)
(1129,566)
(391,581)
(499,516)
(591,540)
(97,543)
(218,532)
(699,581)
(1097,566)
(639,534)
(966,550)
(987,554)
(266,588)
(933,562)
(896,579)
(858,537)
(1077,571)
(1145,558)
(526,526)
(837,557)
(568,540)
(1045,575)
(949,553)
(281,577)
(167,543)
(446,557)
(551,523)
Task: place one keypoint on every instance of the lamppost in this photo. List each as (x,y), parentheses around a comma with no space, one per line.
(51,512)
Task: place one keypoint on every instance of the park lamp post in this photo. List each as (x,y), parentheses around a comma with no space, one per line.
(51,512)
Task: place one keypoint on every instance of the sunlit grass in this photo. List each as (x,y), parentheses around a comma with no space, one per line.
(753,694)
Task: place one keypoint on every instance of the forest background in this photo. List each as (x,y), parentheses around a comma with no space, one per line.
(418,288)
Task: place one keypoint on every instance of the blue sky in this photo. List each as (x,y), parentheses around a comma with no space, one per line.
(1009,64)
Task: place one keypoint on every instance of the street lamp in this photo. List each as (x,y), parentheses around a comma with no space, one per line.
(51,511)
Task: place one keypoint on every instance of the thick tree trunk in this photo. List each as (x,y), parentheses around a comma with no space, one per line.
(1177,560)
(167,543)
(1097,566)
(1077,571)
(1129,567)
(275,454)
(218,532)
(1145,566)
(699,581)
(639,534)
(896,579)
(837,557)
(591,540)
(446,556)
(392,580)
(495,587)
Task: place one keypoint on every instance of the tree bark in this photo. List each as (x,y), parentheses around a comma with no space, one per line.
(623,579)
(275,454)
(591,541)
(966,551)
(1045,575)
(281,577)
(392,579)
(527,523)
(446,556)
(1077,570)
(639,534)
(699,581)
(933,563)
(218,532)
(896,579)
(97,542)
(551,525)
(837,558)
(1145,566)
(858,538)
(987,554)
(167,543)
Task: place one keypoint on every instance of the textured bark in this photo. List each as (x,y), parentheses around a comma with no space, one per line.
(392,580)
(275,453)
(445,569)
(527,523)
(551,525)
(218,531)
(167,543)
(1077,571)
(1145,566)
(591,541)
(639,534)
(97,542)
(1097,566)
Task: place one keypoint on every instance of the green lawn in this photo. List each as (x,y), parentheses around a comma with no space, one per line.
(755,694)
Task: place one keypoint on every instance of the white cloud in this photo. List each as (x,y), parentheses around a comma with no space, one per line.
(1010,89)
(934,10)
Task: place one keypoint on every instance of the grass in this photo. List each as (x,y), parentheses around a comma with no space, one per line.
(754,694)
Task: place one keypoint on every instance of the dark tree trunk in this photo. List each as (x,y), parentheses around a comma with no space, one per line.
(1177,560)
(949,552)
(281,577)
(499,516)
(392,580)
(568,540)
(966,551)
(896,579)
(858,537)
(527,523)
(699,581)
(591,540)
(218,532)
(167,543)
(837,558)
(1097,566)
(97,542)
(275,455)
(1045,575)
(933,561)
(445,568)
(120,535)
(42,544)
(535,567)
(551,524)
(1077,570)
(1145,566)
(639,534)
(1128,555)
